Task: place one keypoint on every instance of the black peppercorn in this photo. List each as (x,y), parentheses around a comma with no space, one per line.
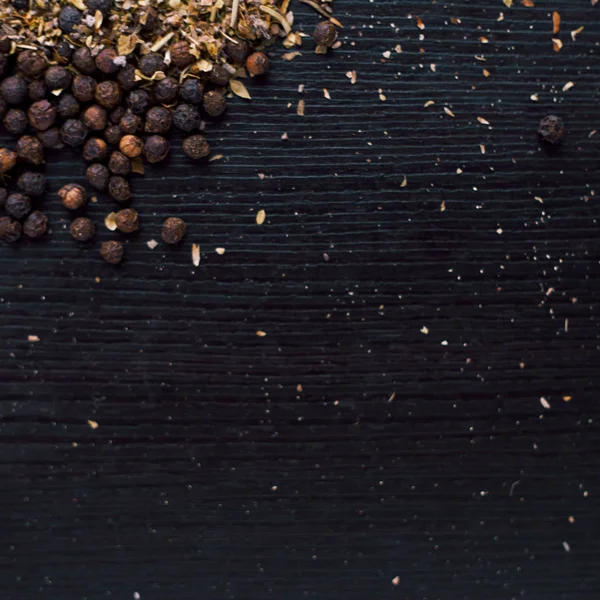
(73,132)
(148,19)
(68,107)
(214,103)
(37,90)
(15,121)
(127,220)
(173,230)
(35,225)
(181,56)
(32,184)
(551,129)
(191,91)
(64,49)
(31,64)
(151,63)
(126,78)
(82,229)
(257,64)
(108,94)
(51,138)
(73,196)
(131,123)
(119,189)
(186,118)
(219,75)
(95,149)
(165,91)
(138,101)
(10,230)
(3,197)
(117,114)
(158,120)
(95,117)
(113,134)
(58,78)
(97,176)
(156,149)
(68,18)
(237,51)
(119,164)
(325,34)
(131,146)
(3,108)
(112,252)
(18,205)
(105,61)
(8,159)
(30,149)
(14,89)
(42,115)
(83,88)
(103,6)
(196,147)
(83,61)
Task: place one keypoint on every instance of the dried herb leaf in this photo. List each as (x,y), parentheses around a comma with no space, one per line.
(239,89)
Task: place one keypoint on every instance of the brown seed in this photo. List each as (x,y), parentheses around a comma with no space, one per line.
(219,75)
(105,61)
(73,132)
(181,55)
(148,19)
(551,129)
(8,159)
(151,63)
(83,88)
(42,115)
(14,89)
(158,120)
(97,176)
(117,114)
(51,138)
(32,184)
(119,164)
(119,189)
(113,134)
(166,91)
(156,149)
(112,252)
(10,230)
(127,220)
(257,64)
(15,121)
(95,117)
(95,149)
(138,101)
(108,94)
(131,124)
(18,205)
(31,64)
(30,149)
(58,78)
(131,146)
(126,78)
(196,147)
(325,34)
(73,196)
(82,229)
(173,230)
(37,90)
(35,225)
(214,103)
(237,50)
(83,61)
(68,107)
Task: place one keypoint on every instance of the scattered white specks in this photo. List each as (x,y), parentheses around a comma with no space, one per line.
(220,251)
(326,93)
(545,403)
(566,546)
(424,330)
(33,338)
(261,215)
(534,97)
(387,54)
(449,112)
(196,254)
(444,343)
(567,86)
(93,424)
(325,257)
(284,136)
(396,580)
(152,244)
(136,596)
(351,75)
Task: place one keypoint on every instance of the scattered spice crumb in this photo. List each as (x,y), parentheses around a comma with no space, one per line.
(540,200)
(152,244)
(571,519)
(483,121)
(443,206)
(567,398)
(557,44)
(486,73)
(196,254)
(215,157)
(482,148)
(576,32)
(299,387)
(534,97)
(528,3)
(110,221)
(483,40)
(420,23)
(33,338)
(392,397)
(300,109)
(424,330)
(261,215)
(555,22)
(398,48)
(260,333)
(404,182)
(566,546)
(566,325)
(351,75)
(545,403)
(449,112)
(429,103)
(396,580)
(567,86)
(220,251)
(326,94)
(284,136)
(93,424)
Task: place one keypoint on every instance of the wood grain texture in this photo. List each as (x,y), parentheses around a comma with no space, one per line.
(210,474)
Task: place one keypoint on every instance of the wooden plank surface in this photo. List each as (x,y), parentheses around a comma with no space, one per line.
(346,447)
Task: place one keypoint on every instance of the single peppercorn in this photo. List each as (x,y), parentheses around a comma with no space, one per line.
(30,149)
(68,18)
(158,120)
(108,94)
(83,88)
(112,252)
(37,90)
(551,129)
(113,134)
(173,230)
(131,146)
(127,220)
(82,229)
(68,107)
(138,101)
(257,64)
(214,103)
(186,118)
(95,149)
(119,189)
(42,115)
(131,124)
(64,50)
(181,56)
(10,230)
(14,89)
(3,108)
(156,149)
(97,176)
(119,164)
(117,114)
(325,34)
(73,196)
(196,147)
(18,205)
(151,63)
(51,138)
(8,159)
(191,91)
(105,61)
(15,121)
(219,75)
(32,184)
(237,50)
(31,64)
(148,19)
(126,78)
(103,6)
(83,61)
(58,77)
(95,117)
(73,132)
(35,225)
(165,91)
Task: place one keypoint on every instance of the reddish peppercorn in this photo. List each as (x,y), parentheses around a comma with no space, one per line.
(127,220)
(73,132)
(95,117)
(166,90)
(119,189)
(108,94)
(112,252)
(181,56)
(58,78)
(105,61)
(42,115)
(113,134)
(82,229)
(257,64)
(158,120)
(97,176)
(138,101)
(173,230)
(191,91)
(237,50)
(151,63)
(131,146)
(31,64)
(51,138)
(83,88)
(186,118)
(196,147)
(214,103)
(551,129)
(14,89)
(68,107)
(119,164)
(325,34)
(95,149)
(126,78)
(17,205)
(83,61)
(37,90)
(131,124)
(8,159)
(219,75)
(15,121)
(156,149)
(73,196)
(10,230)
(32,184)
(30,149)
(35,225)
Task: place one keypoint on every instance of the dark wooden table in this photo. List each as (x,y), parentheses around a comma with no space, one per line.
(390,423)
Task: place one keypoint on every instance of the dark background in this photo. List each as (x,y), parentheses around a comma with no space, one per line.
(211,474)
